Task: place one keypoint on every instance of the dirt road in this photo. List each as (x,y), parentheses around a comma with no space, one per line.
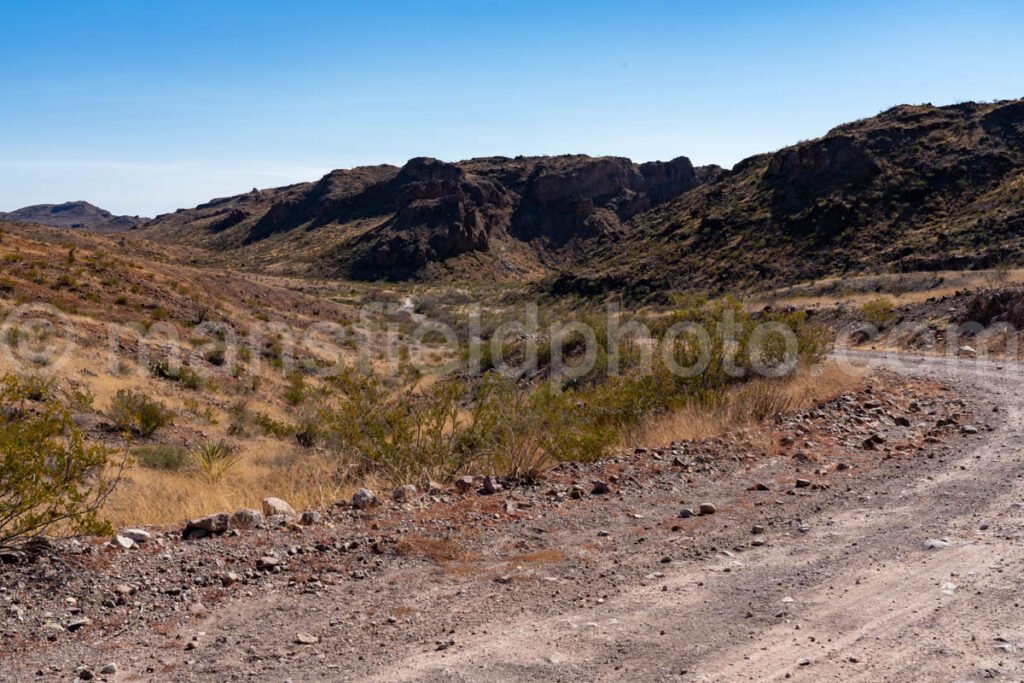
(902,565)
(864,597)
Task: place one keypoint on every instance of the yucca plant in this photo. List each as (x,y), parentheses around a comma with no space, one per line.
(215,459)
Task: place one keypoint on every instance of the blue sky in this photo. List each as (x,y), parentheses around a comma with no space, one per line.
(144,107)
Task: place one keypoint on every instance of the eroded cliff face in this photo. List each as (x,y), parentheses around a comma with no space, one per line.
(429,211)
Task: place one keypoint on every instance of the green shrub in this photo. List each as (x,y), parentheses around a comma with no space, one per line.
(65,281)
(38,387)
(508,426)
(271,427)
(239,418)
(182,374)
(134,412)
(295,393)
(82,399)
(878,311)
(161,457)
(49,478)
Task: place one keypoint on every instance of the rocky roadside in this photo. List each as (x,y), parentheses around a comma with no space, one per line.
(248,594)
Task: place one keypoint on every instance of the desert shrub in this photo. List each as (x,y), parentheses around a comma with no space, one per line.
(65,281)
(295,392)
(81,399)
(182,374)
(135,412)
(456,426)
(161,457)
(271,427)
(239,418)
(49,478)
(38,387)
(13,335)
(877,311)
(215,459)
(203,412)
(508,426)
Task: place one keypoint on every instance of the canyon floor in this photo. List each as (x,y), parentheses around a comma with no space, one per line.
(877,537)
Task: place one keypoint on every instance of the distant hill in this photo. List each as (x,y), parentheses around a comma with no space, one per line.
(483,218)
(914,188)
(73,215)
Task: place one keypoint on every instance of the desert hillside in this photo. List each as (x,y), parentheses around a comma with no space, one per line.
(510,219)
(914,188)
(72,215)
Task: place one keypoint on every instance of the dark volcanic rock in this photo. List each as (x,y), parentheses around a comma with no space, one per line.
(429,211)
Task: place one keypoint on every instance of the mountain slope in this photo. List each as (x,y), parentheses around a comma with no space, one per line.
(914,188)
(72,215)
(490,217)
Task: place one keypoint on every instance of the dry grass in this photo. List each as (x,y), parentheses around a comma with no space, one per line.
(745,406)
(268,468)
(307,481)
(904,288)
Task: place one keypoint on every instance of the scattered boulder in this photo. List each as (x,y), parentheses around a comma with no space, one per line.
(803,483)
(601,488)
(707,509)
(137,535)
(246,518)
(464,484)
(404,494)
(78,624)
(276,506)
(310,517)
(203,527)
(268,563)
(123,542)
(306,639)
(363,499)
(686,513)
(491,486)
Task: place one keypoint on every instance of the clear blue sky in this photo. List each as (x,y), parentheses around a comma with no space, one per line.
(144,107)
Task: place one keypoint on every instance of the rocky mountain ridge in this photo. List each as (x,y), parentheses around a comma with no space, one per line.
(393,223)
(914,188)
(917,187)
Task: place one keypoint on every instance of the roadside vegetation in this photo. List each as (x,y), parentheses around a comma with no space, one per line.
(213,420)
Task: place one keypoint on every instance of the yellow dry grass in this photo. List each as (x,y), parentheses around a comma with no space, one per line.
(266,468)
(804,389)
(903,288)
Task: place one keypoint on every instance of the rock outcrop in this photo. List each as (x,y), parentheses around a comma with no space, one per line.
(430,211)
